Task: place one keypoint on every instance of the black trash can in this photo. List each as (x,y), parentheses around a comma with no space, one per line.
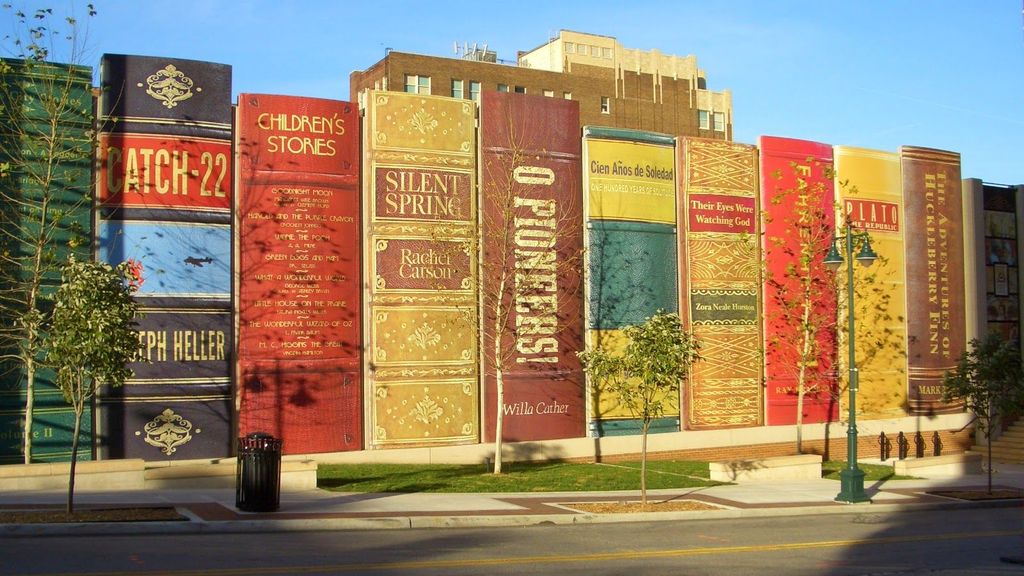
(258,474)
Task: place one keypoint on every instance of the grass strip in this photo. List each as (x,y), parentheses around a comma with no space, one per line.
(517,477)
(541,476)
(830,470)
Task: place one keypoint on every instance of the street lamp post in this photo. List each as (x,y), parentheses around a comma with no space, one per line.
(851,480)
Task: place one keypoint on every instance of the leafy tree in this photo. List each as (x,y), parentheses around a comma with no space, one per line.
(803,296)
(654,362)
(989,381)
(807,299)
(45,157)
(92,336)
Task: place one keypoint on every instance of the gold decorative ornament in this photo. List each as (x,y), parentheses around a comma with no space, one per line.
(170,86)
(426,410)
(423,122)
(424,336)
(168,431)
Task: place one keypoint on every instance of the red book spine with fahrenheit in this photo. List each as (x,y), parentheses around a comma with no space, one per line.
(790,169)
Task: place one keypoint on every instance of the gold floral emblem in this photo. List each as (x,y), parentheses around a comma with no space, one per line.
(423,122)
(426,410)
(169,86)
(424,336)
(168,431)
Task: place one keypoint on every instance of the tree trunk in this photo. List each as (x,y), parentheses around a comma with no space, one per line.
(643,461)
(500,419)
(30,402)
(989,442)
(499,372)
(801,380)
(79,408)
(800,410)
(34,321)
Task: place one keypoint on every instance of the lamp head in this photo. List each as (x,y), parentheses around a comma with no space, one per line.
(833,259)
(866,255)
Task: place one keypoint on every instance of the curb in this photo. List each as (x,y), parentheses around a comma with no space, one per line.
(195,526)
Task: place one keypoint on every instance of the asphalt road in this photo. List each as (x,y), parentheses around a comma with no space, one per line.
(938,542)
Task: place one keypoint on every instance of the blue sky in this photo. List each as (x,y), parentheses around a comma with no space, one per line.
(873,73)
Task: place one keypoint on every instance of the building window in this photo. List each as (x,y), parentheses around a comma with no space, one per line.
(502,87)
(606,105)
(567,95)
(474,90)
(549,93)
(703,119)
(606,53)
(582,49)
(595,51)
(417,84)
(570,47)
(719,122)
(520,89)
(457,89)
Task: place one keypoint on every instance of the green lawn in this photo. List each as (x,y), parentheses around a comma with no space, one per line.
(517,477)
(872,472)
(538,477)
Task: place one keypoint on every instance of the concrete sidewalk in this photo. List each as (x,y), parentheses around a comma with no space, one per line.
(213,510)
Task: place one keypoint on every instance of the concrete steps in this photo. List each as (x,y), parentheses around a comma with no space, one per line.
(1008,448)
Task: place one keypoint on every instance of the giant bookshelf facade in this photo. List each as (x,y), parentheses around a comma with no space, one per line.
(797,196)
(936,307)
(720,281)
(870,194)
(630,214)
(350,277)
(531,274)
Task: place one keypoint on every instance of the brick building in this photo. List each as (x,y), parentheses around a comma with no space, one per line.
(615,86)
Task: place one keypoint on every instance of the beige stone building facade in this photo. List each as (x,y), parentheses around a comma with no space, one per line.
(616,86)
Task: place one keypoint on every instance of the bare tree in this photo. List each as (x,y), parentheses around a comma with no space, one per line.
(46,130)
(531,247)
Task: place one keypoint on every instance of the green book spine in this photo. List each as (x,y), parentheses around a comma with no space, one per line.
(43,191)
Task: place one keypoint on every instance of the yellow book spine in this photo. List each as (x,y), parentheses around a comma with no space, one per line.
(630,181)
(869,190)
(422,296)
